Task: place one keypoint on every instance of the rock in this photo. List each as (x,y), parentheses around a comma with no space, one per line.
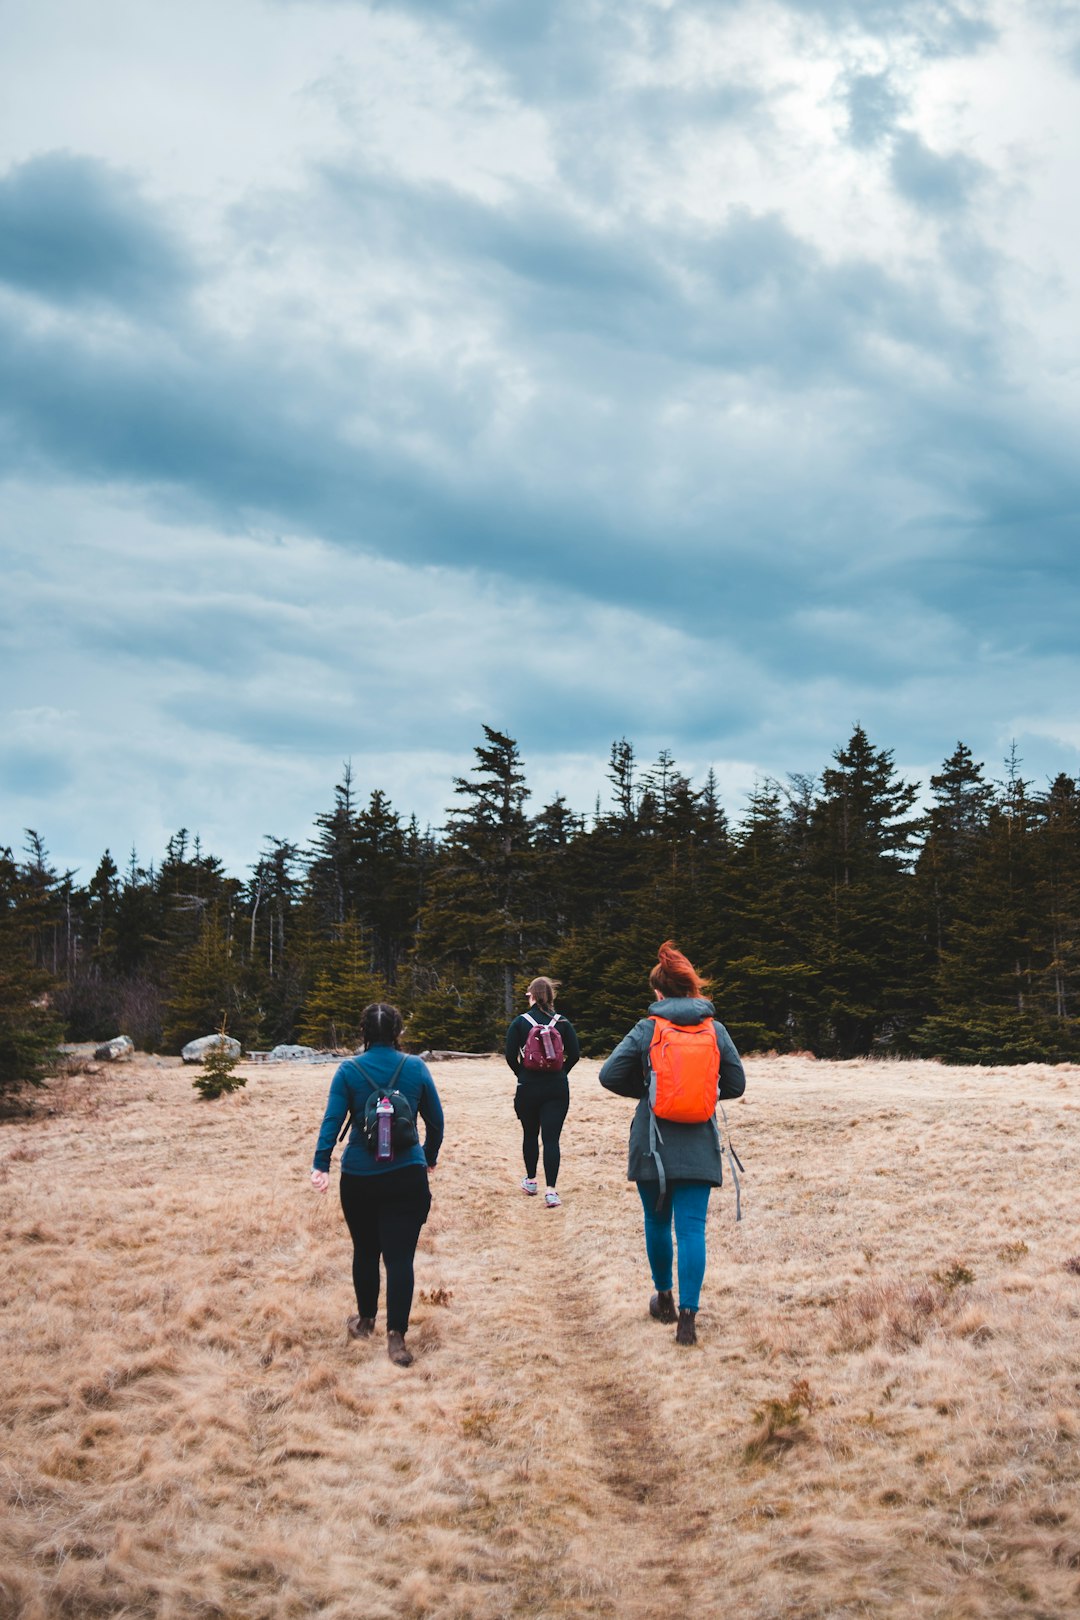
(291,1054)
(121,1046)
(195,1051)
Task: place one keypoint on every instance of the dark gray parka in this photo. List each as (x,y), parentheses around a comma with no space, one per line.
(690,1152)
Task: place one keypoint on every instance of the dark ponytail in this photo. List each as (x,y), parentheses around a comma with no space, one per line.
(382,1025)
(543,991)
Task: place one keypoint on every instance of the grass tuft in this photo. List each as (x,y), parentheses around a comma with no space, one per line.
(779,1423)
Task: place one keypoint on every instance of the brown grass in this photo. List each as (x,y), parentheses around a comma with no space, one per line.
(881,1416)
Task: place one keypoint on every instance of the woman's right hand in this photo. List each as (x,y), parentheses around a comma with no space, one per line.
(320,1180)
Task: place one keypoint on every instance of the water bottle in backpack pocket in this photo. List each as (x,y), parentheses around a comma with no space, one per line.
(384,1119)
(543,1050)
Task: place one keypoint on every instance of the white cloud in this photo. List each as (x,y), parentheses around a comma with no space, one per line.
(586,379)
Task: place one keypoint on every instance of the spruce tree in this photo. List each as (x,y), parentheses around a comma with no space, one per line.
(211,986)
(953,828)
(473,918)
(332,869)
(763,987)
(29,1030)
(217,1074)
(450,1015)
(345,983)
(986,987)
(861,937)
(1057,906)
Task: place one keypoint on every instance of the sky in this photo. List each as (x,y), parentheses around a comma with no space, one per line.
(706,374)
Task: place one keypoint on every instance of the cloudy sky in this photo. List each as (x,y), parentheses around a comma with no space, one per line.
(698,371)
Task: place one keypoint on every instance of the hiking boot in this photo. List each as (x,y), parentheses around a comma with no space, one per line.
(396,1349)
(662,1306)
(529,1186)
(552,1199)
(360,1327)
(686,1332)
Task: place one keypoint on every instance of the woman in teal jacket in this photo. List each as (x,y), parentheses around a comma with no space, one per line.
(385,1205)
(676,1175)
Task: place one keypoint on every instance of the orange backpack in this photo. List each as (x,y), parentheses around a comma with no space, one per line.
(684,1071)
(684,1086)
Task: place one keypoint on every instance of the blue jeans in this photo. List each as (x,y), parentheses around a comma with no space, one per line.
(688,1201)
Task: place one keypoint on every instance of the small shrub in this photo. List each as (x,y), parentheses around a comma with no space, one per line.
(958,1275)
(217,1075)
(1073,1265)
(1013,1251)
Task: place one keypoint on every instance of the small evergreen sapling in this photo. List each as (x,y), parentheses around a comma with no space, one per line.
(217,1075)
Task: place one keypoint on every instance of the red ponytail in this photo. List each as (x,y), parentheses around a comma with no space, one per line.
(673,974)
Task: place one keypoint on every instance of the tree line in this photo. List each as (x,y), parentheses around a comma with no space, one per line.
(834,917)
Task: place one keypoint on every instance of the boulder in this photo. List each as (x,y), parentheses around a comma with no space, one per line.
(291,1054)
(195,1051)
(121,1046)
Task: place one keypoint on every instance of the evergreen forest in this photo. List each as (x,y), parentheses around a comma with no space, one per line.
(844,915)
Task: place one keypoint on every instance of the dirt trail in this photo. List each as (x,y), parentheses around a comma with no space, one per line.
(603,1452)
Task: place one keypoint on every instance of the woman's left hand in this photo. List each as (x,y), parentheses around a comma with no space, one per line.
(320,1180)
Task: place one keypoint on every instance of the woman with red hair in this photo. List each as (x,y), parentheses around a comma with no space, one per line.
(676,1061)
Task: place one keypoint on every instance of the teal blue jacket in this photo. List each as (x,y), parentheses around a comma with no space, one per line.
(349,1092)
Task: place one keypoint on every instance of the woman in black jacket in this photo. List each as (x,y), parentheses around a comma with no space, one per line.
(543,1095)
(675,1165)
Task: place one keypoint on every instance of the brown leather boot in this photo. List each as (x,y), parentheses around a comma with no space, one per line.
(686,1332)
(360,1327)
(396,1349)
(662,1306)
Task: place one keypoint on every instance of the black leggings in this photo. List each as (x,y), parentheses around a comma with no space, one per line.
(541,1106)
(384,1213)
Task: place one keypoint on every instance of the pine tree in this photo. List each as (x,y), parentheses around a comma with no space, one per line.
(332,868)
(217,1074)
(621,776)
(345,983)
(954,826)
(986,986)
(1057,905)
(385,885)
(210,987)
(861,936)
(473,919)
(276,973)
(29,1030)
(451,1015)
(763,987)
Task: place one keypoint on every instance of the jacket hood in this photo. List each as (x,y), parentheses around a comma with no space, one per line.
(683,1009)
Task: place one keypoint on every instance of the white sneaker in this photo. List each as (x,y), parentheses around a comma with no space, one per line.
(552,1199)
(529,1186)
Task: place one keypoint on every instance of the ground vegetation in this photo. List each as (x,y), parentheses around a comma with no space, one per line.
(881,1416)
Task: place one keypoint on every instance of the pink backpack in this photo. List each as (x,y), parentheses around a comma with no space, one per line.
(543,1048)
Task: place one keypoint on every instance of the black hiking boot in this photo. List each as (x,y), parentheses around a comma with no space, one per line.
(360,1327)
(686,1332)
(662,1306)
(397,1350)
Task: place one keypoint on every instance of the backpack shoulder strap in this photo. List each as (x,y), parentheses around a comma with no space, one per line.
(529,1019)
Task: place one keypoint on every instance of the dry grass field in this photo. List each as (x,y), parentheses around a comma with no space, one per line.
(881,1417)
